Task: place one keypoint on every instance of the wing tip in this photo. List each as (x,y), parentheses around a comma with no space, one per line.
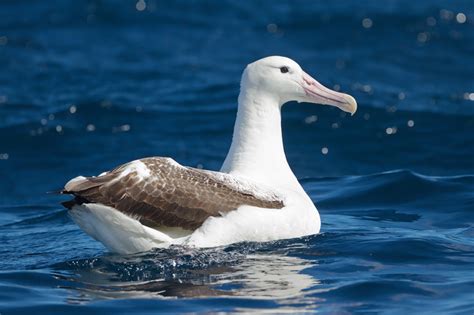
(61,191)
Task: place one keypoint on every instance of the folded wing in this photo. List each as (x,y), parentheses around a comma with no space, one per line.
(160,192)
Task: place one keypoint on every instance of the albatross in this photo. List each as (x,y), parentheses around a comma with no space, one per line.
(155,202)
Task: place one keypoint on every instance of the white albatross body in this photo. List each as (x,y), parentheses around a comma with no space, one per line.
(260,197)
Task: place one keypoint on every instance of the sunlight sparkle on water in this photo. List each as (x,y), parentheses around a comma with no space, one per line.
(367,23)
(391,130)
(446,14)
(272,28)
(461,18)
(141,5)
(311,119)
(431,21)
(422,37)
(122,128)
(469,96)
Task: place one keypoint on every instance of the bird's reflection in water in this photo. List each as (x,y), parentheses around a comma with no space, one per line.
(180,272)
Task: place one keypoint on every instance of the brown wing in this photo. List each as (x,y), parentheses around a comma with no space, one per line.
(160,192)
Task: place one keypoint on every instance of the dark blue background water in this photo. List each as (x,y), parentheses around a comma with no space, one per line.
(87,85)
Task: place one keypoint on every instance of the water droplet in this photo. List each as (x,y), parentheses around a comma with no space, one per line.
(4,156)
(324,150)
(90,127)
(410,123)
(59,128)
(72,109)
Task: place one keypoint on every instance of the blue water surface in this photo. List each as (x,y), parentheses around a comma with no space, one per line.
(86,85)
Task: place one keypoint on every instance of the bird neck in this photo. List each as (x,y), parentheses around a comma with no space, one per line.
(257,145)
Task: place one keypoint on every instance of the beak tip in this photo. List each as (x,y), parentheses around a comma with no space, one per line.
(352,104)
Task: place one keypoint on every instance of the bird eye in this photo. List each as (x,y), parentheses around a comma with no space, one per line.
(284,69)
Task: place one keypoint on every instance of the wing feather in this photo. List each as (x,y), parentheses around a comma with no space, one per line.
(160,192)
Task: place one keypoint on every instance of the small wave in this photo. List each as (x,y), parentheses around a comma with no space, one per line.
(401,188)
(40,219)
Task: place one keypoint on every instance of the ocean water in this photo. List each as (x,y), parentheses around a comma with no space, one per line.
(88,85)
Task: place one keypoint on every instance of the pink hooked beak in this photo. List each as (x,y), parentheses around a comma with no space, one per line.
(318,93)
